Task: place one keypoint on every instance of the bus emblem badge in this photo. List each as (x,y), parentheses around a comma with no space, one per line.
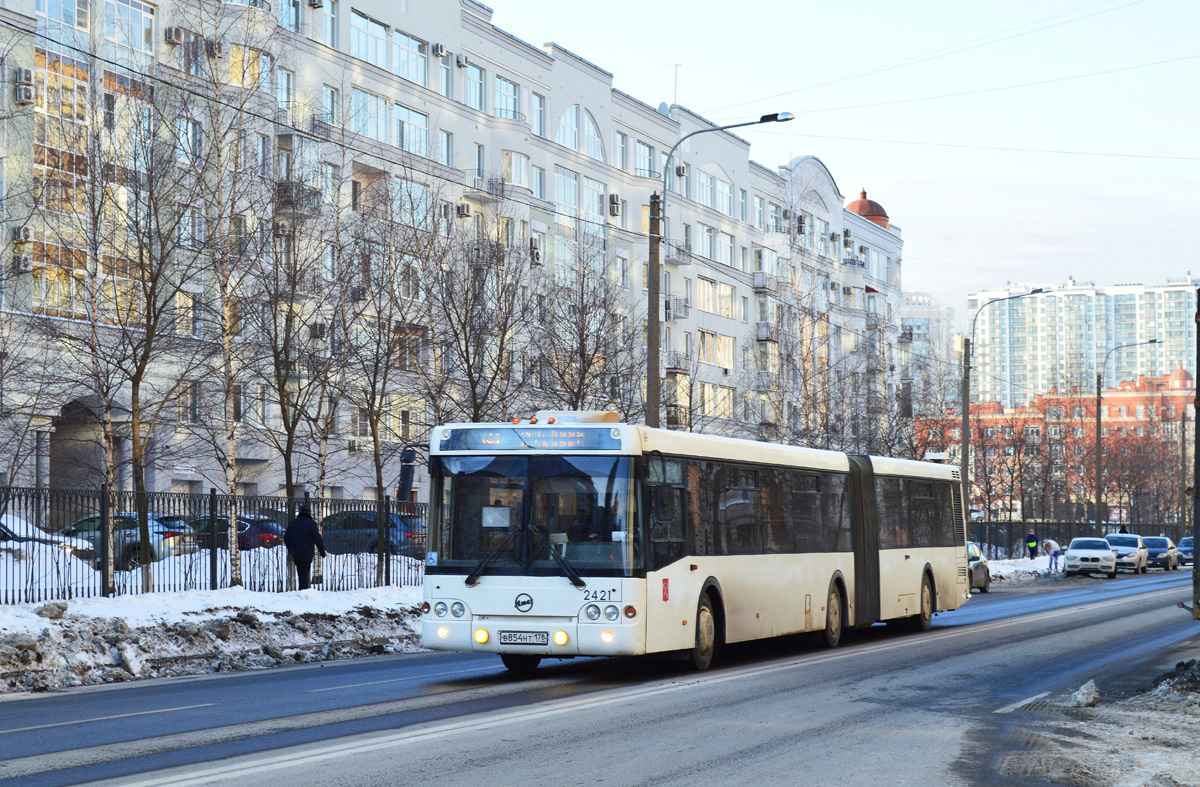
(666,590)
(524,602)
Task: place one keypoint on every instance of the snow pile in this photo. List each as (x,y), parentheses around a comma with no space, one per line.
(102,640)
(1086,696)
(31,566)
(1023,569)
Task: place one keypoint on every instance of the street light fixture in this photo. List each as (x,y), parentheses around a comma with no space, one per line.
(965,403)
(1099,442)
(654,274)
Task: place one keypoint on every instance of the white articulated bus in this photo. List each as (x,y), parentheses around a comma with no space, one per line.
(571,534)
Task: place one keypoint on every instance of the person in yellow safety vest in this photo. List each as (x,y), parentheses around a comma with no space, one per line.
(1031,541)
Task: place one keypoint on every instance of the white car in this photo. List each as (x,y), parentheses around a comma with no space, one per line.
(1130,551)
(1090,556)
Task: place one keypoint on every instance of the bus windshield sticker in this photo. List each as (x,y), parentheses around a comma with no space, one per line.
(536,438)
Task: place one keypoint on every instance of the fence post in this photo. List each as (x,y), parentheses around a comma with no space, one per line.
(107,582)
(387,552)
(212,538)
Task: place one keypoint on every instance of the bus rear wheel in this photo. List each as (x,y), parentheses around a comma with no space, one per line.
(924,619)
(520,663)
(705,649)
(833,618)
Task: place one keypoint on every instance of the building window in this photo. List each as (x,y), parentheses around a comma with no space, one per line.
(446,148)
(593,146)
(331,182)
(645,161)
(475,87)
(760,213)
(368,39)
(285,91)
(189,142)
(620,151)
(537,109)
(330,105)
(408,57)
(412,130)
(446,77)
(706,189)
(191,228)
(568,128)
(516,168)
(289,15)
(329,30)
(369,115)
(743,207)
(506,99)
(539,182)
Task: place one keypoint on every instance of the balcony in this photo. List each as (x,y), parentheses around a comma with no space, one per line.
(854,262)
(676,252)
(677,308)
(767,381)
(324,126)
(676,362)
(297,199)
(484,188)
(765,282)
(678,415)
(766,332)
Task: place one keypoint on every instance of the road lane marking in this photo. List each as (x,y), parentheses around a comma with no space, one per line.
(1022,703)
(105,718)
(311,754)
(489,668)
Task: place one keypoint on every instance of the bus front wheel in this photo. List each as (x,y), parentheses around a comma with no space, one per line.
(924,619)
(833,618)
(520,663)
(706,635)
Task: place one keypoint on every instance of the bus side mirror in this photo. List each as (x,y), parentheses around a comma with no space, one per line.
(404,488)
(664,502)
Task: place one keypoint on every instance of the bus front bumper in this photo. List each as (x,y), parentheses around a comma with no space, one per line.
(547,637)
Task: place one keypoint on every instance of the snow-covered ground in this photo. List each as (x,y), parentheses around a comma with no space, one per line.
(1021,570)
(101,640)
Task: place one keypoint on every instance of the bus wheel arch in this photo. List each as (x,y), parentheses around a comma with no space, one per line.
(836,603)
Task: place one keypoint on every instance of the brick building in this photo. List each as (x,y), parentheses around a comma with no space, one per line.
(1038,461)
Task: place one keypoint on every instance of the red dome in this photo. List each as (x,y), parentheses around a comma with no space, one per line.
(1180,378)
(869,209)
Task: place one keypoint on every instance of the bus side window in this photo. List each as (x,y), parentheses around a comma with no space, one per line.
(807,513)
(889,513)
(835,517)
(922,505)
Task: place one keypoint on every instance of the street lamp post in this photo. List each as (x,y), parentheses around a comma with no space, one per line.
(1099,442)
(654,274)
(965,396)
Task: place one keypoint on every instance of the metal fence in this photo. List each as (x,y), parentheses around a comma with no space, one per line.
(1006,540)
(62,544)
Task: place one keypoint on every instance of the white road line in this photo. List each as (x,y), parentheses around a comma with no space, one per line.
(1022,703)
(401,680)
(105,718)
(413,734)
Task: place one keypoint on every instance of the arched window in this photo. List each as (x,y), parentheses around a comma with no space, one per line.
(593,146)
(568,128)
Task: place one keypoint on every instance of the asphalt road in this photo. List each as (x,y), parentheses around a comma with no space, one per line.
(933,708)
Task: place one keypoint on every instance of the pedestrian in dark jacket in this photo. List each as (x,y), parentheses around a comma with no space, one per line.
(1031,541)
(303,541)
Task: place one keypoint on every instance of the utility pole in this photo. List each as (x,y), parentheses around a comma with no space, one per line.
(1099,450)
(964,405)
(1196,476)
(654,305)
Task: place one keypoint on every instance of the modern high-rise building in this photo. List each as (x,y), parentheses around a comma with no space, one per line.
(1060,338)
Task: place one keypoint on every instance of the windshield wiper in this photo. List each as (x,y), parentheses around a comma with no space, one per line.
(490,558)
(567,568)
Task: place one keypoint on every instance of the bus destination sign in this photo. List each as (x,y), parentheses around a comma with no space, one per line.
(537,438)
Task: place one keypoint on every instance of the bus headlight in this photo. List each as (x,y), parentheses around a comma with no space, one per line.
(560,638)
(457,609)
(611,613)
(439,609)
(481,636)
(443,632)
(592,611)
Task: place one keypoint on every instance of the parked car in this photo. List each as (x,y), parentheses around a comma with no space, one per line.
(169,537)
(977,565)
(1185,551)
(1130,551)
(15,531)
(1162,553)
(1090,556)
(253,532)
(358,531)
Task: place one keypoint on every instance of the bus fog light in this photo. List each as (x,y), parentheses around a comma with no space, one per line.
(439,609)
(607,636)
(425,608)
(560,638)
(611,613)
(457,609)
(592,611)
(481,636)
(630,611)
(443,632)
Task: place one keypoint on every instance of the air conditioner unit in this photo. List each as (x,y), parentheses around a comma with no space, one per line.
(680,171)
(22,263)
(462,61)
(282,229)
(833,236)
(862,249)
(800,225)
(317,329)
(23,94)
(352,446)
(614,208)
(212,48)
(23,76)
(462,210)
(614,199)
(535,257)
(787,215)
(438,50)
(446,210)
(22,234)
(174,35)
(848,242)
(316,3)
(357,294)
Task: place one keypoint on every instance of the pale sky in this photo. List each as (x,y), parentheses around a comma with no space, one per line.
(971,218)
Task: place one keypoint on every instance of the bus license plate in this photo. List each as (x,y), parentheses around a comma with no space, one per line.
(524,638)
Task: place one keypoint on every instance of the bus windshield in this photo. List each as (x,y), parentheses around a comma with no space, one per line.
(509,512)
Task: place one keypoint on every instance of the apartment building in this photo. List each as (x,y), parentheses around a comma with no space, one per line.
(1063,336)
(272,134)
(934,361)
